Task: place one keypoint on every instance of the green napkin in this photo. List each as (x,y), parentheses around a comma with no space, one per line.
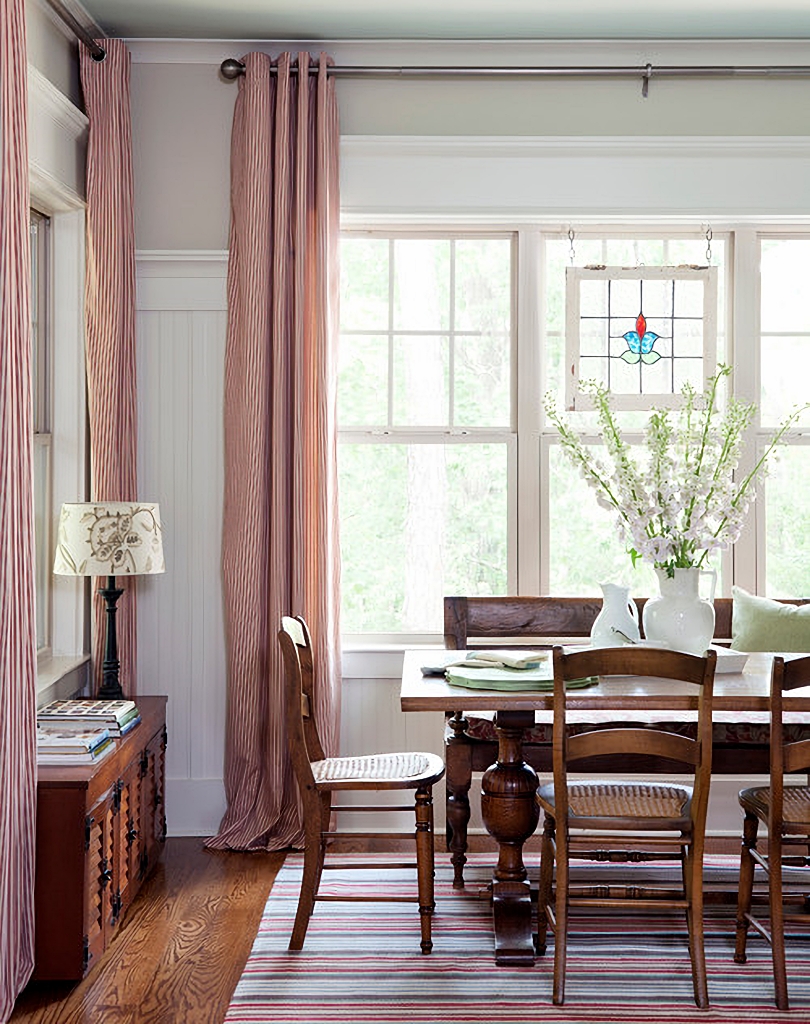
(509,678)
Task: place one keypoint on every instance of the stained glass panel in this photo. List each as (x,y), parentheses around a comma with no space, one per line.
(641,331)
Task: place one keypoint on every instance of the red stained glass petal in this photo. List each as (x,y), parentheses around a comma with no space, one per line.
(641,325)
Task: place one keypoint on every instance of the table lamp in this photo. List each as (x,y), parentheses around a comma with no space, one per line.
(109,538)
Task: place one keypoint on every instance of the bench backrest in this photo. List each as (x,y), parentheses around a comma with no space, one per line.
(538,621)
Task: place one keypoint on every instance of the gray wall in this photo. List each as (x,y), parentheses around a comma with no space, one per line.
(52,49)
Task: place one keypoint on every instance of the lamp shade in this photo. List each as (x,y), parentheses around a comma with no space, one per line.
(109,538)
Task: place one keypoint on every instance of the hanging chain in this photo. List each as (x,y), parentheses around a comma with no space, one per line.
(571,252)
(709,245)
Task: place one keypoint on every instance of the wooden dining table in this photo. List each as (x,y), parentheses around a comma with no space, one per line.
(508,787)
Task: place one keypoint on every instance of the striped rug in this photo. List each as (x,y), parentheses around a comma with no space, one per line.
(361,963)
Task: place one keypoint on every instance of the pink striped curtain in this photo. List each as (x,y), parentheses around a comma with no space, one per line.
(17,611)
(110,318)
(279,546)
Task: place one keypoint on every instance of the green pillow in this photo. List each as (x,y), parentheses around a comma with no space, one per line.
(759,624)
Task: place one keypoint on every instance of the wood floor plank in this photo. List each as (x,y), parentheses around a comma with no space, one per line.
(179,952)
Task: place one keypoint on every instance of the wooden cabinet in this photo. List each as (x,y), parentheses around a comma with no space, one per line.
(100,830)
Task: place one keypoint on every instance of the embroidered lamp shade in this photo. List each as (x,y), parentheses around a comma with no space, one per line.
(109,538)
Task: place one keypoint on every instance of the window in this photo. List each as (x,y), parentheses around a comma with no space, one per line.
(425,411)
(451,481)
(784,358)
(41,388)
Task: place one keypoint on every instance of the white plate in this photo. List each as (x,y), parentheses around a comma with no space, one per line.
(728,660)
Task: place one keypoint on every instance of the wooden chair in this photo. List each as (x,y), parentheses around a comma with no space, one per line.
(648,820)
(318,776)
(786,813)
(471,744)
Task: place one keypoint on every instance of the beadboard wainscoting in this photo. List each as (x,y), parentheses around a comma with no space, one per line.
(181,323)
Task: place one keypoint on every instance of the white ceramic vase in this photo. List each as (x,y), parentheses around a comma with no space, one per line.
(680,618)
(617,622)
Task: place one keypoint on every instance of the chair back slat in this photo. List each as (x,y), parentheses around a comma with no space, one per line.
(303,740)
(797,756)
(786,756)
(630,742)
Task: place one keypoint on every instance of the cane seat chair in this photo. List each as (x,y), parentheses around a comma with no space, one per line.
(626,820)
(319,777)
(785,810)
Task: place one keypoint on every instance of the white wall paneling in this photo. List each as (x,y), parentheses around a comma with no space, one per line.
(181,344)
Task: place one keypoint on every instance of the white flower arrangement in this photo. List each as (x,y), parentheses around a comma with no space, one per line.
(687,502)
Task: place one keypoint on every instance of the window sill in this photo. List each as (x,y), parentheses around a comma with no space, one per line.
(378,660)
(61,677)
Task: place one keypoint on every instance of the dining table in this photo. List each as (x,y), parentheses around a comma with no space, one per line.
(508,806)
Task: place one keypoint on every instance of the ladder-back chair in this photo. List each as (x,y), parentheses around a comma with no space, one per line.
(319,776)
(785,810)
(626,820)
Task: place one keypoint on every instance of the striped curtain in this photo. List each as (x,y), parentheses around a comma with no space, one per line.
(17,611)
(279,538)
(110,318)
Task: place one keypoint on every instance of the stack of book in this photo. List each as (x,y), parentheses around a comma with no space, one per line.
(72,746)
(116,716)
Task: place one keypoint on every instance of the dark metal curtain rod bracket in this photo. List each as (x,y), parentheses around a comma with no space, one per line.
(98,53)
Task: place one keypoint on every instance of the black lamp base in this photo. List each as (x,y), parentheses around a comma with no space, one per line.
(110,688)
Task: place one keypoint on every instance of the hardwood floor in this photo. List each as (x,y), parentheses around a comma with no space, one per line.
(180,951)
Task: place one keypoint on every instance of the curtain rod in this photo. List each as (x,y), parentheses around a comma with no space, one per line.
(98,53)
(232,69)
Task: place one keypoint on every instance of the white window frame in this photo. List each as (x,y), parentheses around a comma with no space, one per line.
(42,354)
(57,141)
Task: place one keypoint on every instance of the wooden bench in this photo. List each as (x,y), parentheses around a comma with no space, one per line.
(471,743)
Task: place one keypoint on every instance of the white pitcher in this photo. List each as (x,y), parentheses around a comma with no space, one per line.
(617,622)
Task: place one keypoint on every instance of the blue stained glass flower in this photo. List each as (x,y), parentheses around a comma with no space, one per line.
(640,343)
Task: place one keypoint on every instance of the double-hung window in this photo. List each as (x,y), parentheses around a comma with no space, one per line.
(425,408)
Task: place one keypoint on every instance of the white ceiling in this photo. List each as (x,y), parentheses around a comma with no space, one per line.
(452,19)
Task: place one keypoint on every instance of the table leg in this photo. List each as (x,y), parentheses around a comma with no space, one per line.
(510,814)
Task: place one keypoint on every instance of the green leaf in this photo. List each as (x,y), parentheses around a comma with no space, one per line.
(630,357)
